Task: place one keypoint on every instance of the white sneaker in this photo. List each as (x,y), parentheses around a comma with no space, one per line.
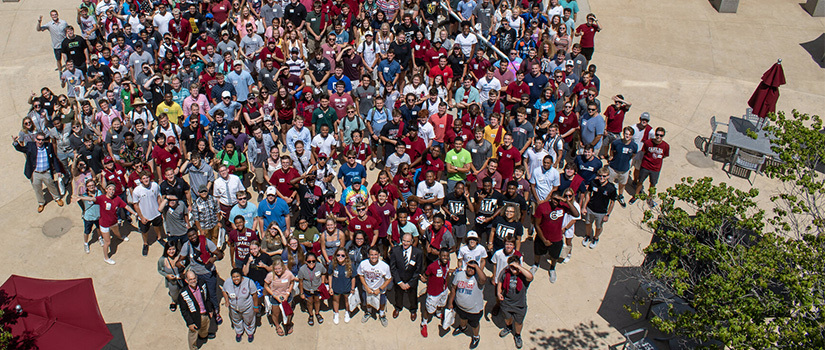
(335,318)
(86,247)
(100,240)
(552,276)
(346,317)
(109,261)
(533,269)
(566,259)
(585,241)
(126,238)
(594,243)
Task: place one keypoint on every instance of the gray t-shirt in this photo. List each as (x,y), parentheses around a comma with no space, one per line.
(194,256)
(175,219)
(136,60)
(240,296)
(250,44)
(116,139)
(73,81)
(224,46)
(393,161)
(469,293)
(312,278)
(57,31)
(480,152)
(514,298)
(200,175)
(521,133)
(484,15)
(366,99)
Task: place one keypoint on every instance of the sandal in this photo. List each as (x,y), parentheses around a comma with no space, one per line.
(310,321)
(289,330)
(279,330)
(320,319)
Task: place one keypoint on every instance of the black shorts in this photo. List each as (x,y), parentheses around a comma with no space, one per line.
(383,242)
(157,222)
(654,176)
(554,250)
(472,319)
(515,313)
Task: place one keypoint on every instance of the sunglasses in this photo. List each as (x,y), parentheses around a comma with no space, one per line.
(350,157)
(310,261)
(39,139)
(242,199)
(660,135)
(362,209)
(591,109)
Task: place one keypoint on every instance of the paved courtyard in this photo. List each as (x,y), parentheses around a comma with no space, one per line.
(679,60)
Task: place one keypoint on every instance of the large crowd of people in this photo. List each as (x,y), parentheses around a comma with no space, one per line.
(379,138)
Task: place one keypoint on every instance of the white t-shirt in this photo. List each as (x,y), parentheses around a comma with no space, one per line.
(500,259)
(162,22)
(534,159)
(570,232)
(425,192)
(466,43)
(419,91)
(484,87)
(374,275)
(426,132)
(147,200)
(369,51)
(466,255)
(324,145)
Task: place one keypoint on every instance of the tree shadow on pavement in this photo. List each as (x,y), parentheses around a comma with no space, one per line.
(583,336)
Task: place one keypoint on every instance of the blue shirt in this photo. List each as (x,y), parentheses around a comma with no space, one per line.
(42,160)
(248,214)
(241,84)
(203,121)
(536,85)
(466,8)
(347,173)
(228,110)
(276,211)
(333,80)
(294,135)
(588,168)
(546,106)
(622,154)
(590,128)
(389,70)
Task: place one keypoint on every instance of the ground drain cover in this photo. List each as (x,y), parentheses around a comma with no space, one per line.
(57,227)
(700,160)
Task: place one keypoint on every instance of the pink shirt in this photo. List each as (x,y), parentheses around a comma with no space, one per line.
(202,102)
(105,119)
(199,298)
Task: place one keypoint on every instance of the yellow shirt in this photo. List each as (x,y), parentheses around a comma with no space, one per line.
(490,135)
(174,112)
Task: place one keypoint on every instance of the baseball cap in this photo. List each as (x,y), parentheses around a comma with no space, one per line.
(367,34)
(108,159)
(456,46)
(356,180)
(226,94)
(170,140)
(237,62)
(472,234)
(209,15)
(294,50)
(94,57)
(202,188)
(645,116)
(224,32)
(570,63)
(322,155)
(271,191)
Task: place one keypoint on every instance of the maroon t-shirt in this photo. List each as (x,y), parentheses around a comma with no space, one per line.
(654,155)
(242,241)
(566,123)
(588,33)
(507,159)
(383,214)
(436,278)
(415,148)
(402,182)
(391,190)
(552,220)
(615,118)
(280,179)
(108,209)
(368,226)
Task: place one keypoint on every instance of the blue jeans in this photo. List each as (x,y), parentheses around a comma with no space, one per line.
(211,281)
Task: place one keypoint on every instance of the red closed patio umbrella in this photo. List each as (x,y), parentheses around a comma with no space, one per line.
(61,314)
(763,100)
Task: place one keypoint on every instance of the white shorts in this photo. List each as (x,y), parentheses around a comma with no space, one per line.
(618,178)
(570,233)
(104,229)
(436,301)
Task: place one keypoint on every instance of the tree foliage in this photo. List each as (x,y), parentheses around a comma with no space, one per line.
(749,281)
(8,317)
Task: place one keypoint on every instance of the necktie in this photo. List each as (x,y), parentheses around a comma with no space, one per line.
(407,254)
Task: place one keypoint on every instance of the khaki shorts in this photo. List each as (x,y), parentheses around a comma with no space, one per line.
(260,175)
(618,178)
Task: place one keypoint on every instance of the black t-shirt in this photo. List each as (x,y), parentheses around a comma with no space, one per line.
(256,273)
(319,68)
(457,64)
(487,206)
(517,200)
(429,8)
(352,67)
(403,53)
(190,137)
(457,206)
(179,189)
(390,131)
(502,228)
(112,38)
(409,31)
(309,203)
(505,39)
(93,157)
(600,196)
(99,72)
(74,49)
(295,13)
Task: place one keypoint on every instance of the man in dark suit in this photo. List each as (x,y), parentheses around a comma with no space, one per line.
(406,264)
(42,167)
(196,309)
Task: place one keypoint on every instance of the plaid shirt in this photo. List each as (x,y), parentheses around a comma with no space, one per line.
(206,211)
(42,160)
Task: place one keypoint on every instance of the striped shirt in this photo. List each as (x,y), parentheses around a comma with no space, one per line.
(42,160)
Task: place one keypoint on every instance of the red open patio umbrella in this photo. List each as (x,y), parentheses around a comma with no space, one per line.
(764,98)
(62,314)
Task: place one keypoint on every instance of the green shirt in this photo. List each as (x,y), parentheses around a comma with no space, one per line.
(458,160)
(234,160)
(309,236)
(314,22)
(328,118)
